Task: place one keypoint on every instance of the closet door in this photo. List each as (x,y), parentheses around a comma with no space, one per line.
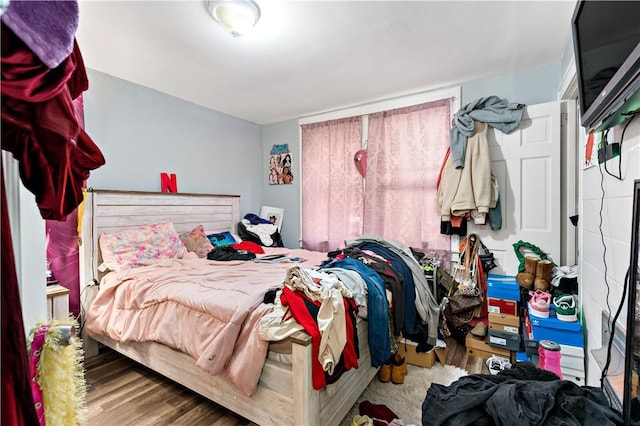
(527,164)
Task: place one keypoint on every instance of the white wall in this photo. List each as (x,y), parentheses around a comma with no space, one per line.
(616,231)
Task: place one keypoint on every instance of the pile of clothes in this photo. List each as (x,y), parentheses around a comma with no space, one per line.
(521,395)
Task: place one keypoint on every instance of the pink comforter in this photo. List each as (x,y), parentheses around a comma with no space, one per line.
(208,309)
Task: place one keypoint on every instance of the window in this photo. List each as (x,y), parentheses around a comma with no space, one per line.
(397,199)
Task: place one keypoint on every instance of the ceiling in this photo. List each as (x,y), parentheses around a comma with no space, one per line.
(307,57)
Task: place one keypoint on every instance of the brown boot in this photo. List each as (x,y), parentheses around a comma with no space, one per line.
(527,277)
(384,374)
(543,275)
(398,370)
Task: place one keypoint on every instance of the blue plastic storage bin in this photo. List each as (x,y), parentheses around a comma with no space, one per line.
(503,287)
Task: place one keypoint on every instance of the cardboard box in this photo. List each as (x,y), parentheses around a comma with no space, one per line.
(503,306)
(407,349)
(504,323)
(480,347)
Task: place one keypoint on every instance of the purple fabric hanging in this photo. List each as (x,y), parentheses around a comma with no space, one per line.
(47,27)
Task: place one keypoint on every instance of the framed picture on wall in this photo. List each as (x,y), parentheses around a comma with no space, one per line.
(272,214)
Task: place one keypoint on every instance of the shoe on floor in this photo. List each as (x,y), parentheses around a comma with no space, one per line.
(497,363)
(539,303)
(565,305)
(384,374)
(479,330)
(398,370)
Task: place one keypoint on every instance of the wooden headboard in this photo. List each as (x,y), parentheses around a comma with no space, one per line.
(107,211)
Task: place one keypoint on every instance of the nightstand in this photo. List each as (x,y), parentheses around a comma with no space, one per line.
(57,302)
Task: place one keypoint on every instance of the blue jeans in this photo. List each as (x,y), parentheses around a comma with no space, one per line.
(377,309)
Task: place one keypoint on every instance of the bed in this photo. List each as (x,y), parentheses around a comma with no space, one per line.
(284,394)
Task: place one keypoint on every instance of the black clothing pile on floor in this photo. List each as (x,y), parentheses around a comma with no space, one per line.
(523,395)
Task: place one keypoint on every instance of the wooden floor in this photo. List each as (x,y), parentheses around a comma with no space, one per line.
(122,392)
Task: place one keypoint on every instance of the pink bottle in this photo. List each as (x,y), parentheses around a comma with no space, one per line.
(549,356)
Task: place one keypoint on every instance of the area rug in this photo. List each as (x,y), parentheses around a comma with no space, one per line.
(406,399)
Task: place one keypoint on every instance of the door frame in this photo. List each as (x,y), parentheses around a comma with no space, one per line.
(570,185)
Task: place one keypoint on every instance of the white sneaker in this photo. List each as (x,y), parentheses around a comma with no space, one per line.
(497,363)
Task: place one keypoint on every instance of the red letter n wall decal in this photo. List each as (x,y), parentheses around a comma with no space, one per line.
(169,183)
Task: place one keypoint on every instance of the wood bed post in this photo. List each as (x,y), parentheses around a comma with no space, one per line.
(306,400)
(88,259)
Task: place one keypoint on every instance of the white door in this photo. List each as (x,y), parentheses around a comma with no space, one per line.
(527,165)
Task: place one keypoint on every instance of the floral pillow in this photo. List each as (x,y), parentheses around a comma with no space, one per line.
(197,241)
(141,246)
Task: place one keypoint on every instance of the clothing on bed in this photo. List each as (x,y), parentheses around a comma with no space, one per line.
(501,399)
(227,253)
(266,232)
(307,313)
(377,309)
(392,282)
(419,321)
(210,310)
(327,290)
(248,246)
(354,282)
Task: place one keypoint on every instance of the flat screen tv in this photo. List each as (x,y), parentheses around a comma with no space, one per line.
(606,40)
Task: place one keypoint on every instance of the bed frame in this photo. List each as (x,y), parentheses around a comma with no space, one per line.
(285,395)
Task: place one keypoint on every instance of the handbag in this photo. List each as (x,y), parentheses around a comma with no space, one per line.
(465,295)
(459,302)
(459,319)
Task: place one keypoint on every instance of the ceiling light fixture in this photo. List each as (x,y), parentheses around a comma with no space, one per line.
(237,17)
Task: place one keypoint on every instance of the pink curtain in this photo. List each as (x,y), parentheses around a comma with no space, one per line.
(332,187)
(405,151)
